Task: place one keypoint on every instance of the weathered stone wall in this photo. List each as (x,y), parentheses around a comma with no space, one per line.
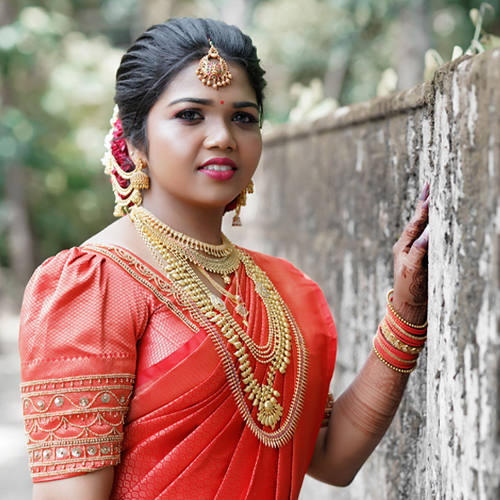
(333,196)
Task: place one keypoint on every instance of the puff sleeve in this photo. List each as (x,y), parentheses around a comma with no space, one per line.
(80,321)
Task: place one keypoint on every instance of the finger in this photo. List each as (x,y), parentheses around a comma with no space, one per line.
(423,196)
(414,228)
(425,192)
(419,249)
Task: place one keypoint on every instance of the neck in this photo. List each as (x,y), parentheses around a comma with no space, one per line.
(201,223)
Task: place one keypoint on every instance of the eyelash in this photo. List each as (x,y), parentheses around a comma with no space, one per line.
(248,118)
(182,115)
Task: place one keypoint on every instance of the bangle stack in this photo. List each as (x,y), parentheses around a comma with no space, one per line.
(397,342)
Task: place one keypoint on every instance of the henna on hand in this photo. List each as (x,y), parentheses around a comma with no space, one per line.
(410,265)
(418,286)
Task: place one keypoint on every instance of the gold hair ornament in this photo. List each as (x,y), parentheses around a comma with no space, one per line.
(138,180)
(213,71)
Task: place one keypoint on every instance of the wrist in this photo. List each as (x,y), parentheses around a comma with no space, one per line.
(398,342)
(416,314)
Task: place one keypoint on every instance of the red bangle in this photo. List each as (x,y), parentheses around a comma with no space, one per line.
(390,364)
(402,335)
(390,358)
(393,350)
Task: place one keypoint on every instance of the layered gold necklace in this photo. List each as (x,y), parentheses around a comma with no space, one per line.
(179,255)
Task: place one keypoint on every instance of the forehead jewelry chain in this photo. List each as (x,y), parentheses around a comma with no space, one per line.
(213,71)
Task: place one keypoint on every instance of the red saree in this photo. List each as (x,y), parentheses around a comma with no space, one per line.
(96,318)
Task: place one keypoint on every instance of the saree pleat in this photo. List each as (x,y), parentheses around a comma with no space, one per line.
(239,472)
(209,466)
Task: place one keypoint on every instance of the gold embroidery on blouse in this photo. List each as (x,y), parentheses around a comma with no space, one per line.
(75,424)
(125,259)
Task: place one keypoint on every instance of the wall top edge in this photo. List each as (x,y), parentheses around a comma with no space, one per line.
(374,109)
(420,96)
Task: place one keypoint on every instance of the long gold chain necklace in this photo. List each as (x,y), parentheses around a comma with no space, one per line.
(276,354)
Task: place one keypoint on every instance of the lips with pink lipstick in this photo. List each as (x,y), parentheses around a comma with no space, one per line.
(219,169)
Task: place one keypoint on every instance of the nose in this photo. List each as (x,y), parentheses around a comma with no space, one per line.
(220,136)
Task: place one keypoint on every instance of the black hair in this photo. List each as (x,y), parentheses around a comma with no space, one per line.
(161,52)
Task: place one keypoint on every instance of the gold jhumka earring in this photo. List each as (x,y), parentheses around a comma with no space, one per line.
(139,180)
(241,201)
(213,71)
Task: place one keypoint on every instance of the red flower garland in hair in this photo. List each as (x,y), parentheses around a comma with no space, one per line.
(118,148)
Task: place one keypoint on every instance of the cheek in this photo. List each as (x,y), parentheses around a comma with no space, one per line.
(255,151)
(165,145)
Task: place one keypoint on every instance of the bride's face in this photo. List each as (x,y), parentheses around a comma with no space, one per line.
(203,144)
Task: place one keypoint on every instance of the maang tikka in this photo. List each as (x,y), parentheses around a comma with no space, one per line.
(213,71)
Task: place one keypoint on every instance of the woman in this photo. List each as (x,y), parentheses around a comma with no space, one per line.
(229,353)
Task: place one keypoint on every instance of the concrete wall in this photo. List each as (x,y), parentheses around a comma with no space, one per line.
(333,196)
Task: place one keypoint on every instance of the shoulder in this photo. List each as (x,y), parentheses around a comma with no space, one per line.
(296,287)
(277,266)
(79,305)
(80,293)
(74,271)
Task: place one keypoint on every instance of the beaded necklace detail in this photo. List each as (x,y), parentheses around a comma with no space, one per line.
(230,338)
(161,228)
(221,259)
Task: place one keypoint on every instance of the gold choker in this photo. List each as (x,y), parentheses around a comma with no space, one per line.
(161,228)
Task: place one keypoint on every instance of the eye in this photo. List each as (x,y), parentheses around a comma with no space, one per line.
(242,117)
(189,115)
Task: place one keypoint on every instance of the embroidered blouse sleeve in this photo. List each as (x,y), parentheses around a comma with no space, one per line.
(80,320)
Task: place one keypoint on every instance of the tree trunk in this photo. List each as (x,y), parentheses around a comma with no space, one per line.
(412,44)
(21,244)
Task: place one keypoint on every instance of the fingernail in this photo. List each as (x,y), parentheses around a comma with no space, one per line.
(423,240)
(425,204)
(425,191)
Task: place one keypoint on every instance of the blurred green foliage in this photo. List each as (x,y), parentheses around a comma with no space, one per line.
(57,65)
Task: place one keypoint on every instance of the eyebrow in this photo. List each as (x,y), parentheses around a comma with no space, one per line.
(245,104)
(210,102)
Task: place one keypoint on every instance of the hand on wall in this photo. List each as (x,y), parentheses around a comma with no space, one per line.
(410,265)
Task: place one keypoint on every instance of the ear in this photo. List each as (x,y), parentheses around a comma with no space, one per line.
(135,153)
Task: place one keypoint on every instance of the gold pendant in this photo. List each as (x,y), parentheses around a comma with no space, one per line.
(270,412)
(243,312)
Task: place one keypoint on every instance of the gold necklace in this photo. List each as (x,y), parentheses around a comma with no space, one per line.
(160,228)
(224,265)
(276,354)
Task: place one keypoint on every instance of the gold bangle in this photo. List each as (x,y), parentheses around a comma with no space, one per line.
(397,343)
(403,331)
(400,370)
(404,361)
(411,325)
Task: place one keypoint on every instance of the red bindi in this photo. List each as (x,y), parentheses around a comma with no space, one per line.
(222,102)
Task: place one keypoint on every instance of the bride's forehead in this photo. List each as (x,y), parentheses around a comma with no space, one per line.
(187,80)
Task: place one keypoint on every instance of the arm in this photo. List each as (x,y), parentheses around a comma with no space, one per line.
(93,486)
(363,413)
